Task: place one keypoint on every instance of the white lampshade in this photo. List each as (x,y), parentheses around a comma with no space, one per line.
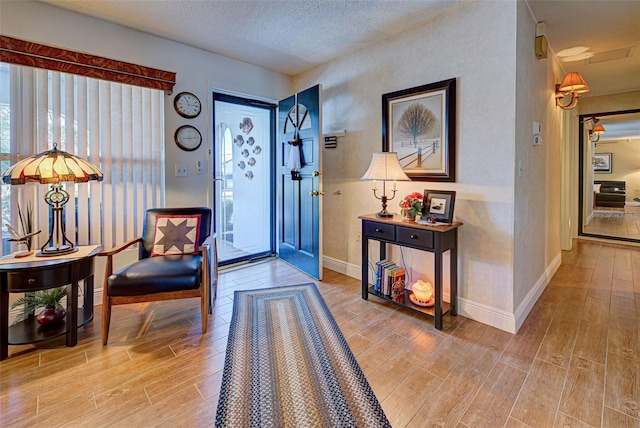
(385,167)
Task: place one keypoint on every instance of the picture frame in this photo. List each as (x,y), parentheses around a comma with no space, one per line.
(439,204)
(419,124)
(602,163)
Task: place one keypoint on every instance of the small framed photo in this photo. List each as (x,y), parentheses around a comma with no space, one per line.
(602,163)
(439,204)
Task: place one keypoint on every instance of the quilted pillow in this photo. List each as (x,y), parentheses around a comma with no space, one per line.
(176,234)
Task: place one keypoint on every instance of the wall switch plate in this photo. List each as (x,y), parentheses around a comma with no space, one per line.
(198,167)
(181,170)
(536,128)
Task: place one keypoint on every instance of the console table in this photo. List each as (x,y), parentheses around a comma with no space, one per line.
(435,239)
(41,274)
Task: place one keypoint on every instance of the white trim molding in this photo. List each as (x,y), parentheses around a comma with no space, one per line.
(536,291)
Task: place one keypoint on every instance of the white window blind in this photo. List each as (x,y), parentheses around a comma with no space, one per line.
(117,127)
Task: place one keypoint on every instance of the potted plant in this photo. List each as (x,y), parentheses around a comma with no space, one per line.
(48,299)
(412,205)
(26,238)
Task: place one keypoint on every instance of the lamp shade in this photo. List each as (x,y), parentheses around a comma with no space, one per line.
(52,166)
(385,167)
(574,83)
(598,130)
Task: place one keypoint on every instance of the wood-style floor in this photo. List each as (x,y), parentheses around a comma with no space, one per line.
(574,363)
(617,222)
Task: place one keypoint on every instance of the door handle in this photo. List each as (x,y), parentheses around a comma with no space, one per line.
(316,193)
(315,173)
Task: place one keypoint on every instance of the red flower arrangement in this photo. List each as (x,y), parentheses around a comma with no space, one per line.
(412,203)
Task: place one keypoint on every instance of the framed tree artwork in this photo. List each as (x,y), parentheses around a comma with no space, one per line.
(419,124)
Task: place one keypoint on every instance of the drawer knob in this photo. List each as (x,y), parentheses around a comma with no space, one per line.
(414,237)
(379,230)
(32,280)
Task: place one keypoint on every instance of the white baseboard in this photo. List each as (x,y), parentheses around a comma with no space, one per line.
(498,318)
(486,314)
(534,294)
(340,266)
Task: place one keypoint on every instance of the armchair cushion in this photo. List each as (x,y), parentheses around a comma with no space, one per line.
(157,275)
(176,234)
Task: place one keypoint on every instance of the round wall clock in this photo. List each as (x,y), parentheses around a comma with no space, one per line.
(188,138)
(187,105)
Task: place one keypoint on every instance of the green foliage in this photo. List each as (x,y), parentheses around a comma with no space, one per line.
(26,222)
(49,299)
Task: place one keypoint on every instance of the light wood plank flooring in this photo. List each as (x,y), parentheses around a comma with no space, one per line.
(617,222)
(574,363)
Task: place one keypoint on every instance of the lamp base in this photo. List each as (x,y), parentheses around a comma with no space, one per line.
(384,214)
(56,251)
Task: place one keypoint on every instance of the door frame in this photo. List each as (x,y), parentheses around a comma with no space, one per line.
(225,96)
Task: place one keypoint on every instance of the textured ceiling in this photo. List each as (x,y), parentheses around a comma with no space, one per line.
(610,30)
(292,36)
(286,36)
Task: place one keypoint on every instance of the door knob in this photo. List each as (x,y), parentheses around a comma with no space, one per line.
(316,173)
(316,193)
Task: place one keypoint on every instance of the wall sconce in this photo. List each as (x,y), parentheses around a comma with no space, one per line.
(385,167)
(572,85)
(594,134)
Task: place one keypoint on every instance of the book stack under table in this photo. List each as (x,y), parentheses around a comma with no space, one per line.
(390,280)
(434,239)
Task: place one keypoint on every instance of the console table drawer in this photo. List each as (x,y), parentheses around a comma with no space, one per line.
(380,231)
(415,237)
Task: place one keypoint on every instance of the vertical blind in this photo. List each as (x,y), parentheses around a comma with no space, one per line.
(117,127)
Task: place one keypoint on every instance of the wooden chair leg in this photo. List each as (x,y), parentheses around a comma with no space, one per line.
(204,300)
(106,318)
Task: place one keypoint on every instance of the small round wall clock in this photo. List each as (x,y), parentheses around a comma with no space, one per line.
(188,138)
(187,105)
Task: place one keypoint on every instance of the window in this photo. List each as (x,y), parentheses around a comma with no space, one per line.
(118,127)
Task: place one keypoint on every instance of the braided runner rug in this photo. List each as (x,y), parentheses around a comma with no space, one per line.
(288,365)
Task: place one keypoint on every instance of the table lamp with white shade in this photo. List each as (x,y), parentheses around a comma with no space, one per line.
(385,167)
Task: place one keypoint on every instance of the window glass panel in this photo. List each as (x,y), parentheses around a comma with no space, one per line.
(39,108)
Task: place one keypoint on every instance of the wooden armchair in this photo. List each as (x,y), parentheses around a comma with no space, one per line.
(175,256)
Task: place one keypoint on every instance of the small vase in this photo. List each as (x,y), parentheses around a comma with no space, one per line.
(49,316)
(408,217)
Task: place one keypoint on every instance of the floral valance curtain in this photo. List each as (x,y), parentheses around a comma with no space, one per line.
(21,52)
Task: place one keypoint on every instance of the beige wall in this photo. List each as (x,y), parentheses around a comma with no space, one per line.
(625,165)
(482,58)
(538,170)
(609,103)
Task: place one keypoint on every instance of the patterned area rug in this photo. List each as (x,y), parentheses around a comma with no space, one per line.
(288,365)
